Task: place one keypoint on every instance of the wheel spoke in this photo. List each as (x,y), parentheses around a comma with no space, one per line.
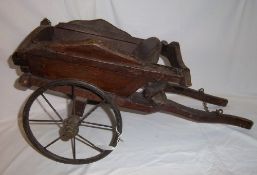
(73,100)
(55,140)
(88,143)
(73,147)
(90,111)
(96,125)
(52,107)
(45,122)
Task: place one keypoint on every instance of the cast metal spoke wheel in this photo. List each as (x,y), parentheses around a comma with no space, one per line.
(60,132)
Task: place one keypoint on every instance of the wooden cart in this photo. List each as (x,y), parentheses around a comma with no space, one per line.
(96,65)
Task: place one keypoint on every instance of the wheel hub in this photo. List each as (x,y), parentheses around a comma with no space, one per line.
(70,128)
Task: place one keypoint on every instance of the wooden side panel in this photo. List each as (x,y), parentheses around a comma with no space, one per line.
(121,79)
(64,35)
(94,49)
(109,78)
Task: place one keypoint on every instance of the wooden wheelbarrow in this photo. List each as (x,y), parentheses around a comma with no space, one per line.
(95,65)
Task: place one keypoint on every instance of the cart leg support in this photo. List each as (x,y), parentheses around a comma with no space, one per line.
(79,107)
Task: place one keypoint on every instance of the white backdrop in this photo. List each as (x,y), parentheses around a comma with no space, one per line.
(219,44)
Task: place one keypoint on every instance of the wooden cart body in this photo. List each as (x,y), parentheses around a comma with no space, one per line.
(82,50)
